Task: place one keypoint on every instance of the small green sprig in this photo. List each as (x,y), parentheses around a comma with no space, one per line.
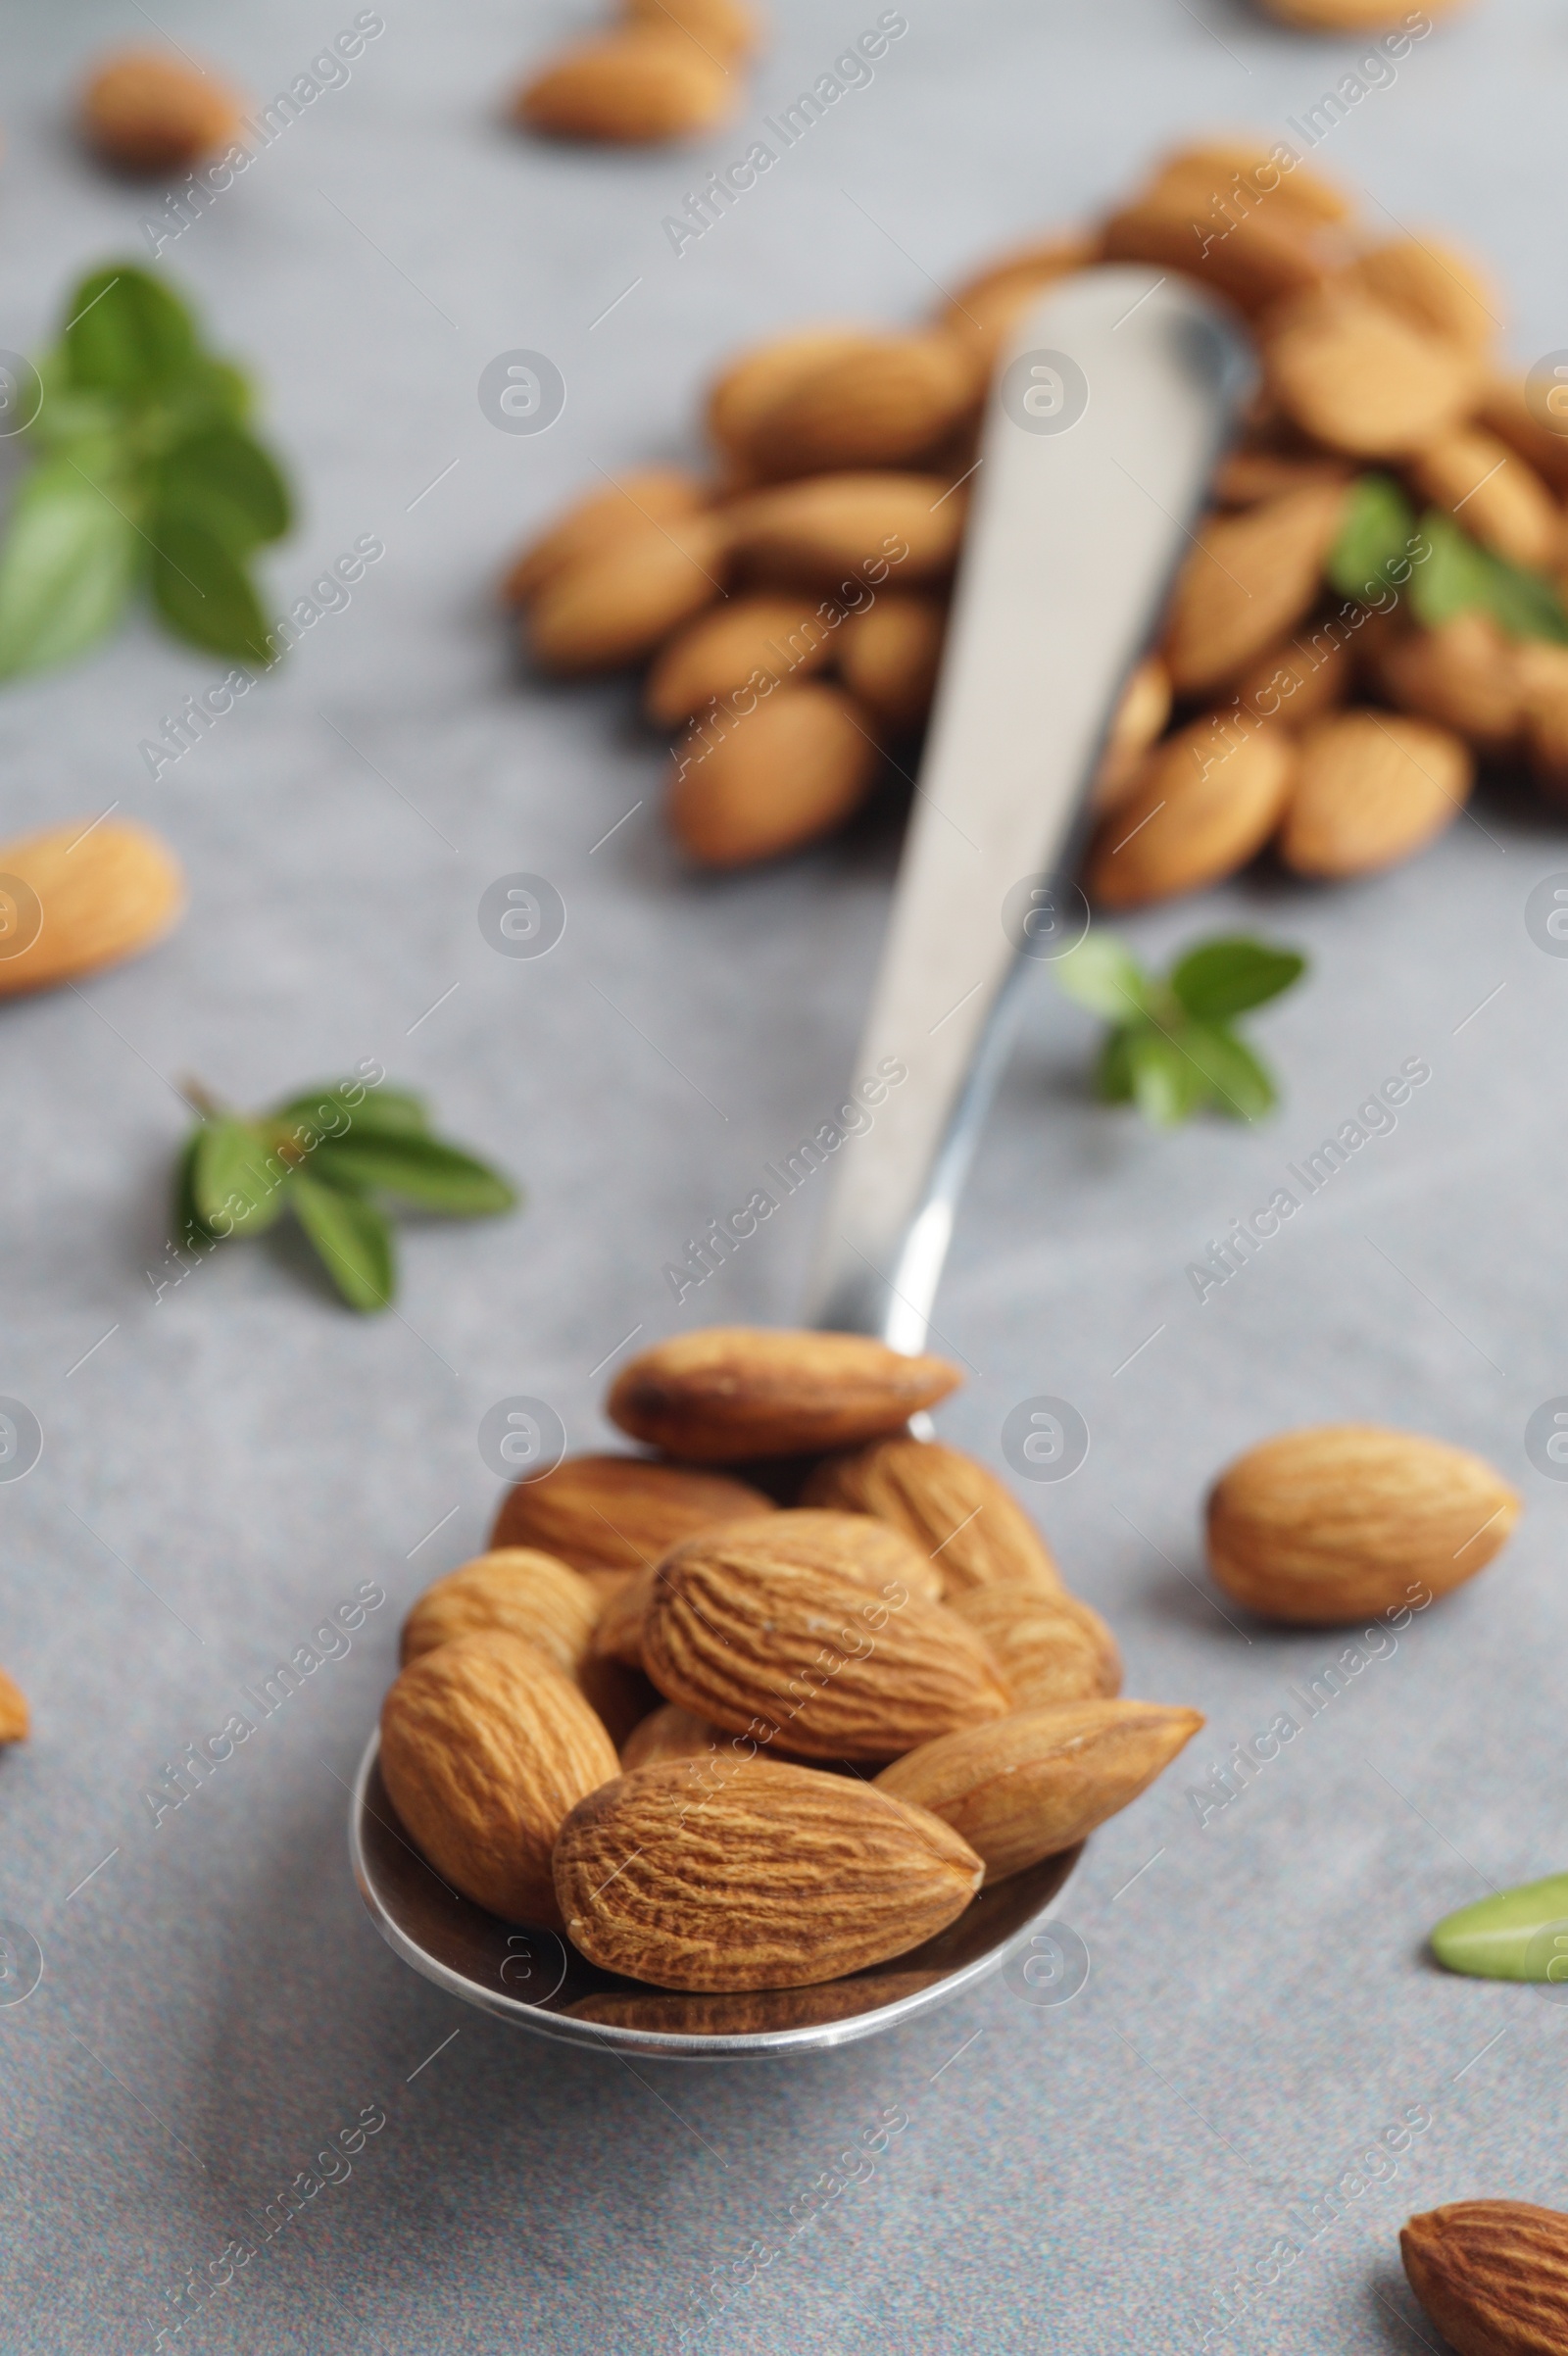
(325,1155)
(1171,1049)
(146,477)
(1382,543)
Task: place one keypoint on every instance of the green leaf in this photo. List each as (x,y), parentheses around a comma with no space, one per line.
(1519,1934)
(190,1227)
(1104,976)
(238,1182)
(1456,576)
(1113,1073)
(351,1237)
(1167,1084)
(1238,1082)
(223,472)
(1224,977)
(422,1170)
(202,590)
(330,1111)
(1526,604)
(127,334)
(66,571)
(1375,534)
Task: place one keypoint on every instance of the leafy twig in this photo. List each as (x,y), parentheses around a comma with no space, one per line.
(1171,1048)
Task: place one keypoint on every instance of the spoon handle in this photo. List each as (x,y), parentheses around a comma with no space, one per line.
(1100,442)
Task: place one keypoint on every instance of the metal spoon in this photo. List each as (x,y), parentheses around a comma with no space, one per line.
(1101,435)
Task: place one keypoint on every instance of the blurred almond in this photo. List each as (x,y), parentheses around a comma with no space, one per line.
(618,1631)
(989,309)
(16,1719)
(81,897)
(950,1506)
(647,495)
(1346,16)
(614,604)
(1508,410)
(1206,802)
(1140,719)
(1041,1781)
(1248,581)
(1363,378)
(1322,1526)
(1048,1648)
(1257,252)
(1371,788)
(723,29)
(1464,675)
(883,403)
(1242,172)
(1541,672)
(726,1393)
(143,111)
(785,774)
(632,88)
(513,1591)
(750,384)
(842,531)
(1498,497)
(890,655)
(739,644)
(1432,287)
(1299,680)
(618,1510)
(1492,2276)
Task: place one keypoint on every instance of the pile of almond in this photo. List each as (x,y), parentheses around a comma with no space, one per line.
(667,70)
(836,1719)
(791,603)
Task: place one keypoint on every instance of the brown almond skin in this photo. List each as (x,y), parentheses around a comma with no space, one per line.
(758,1639)
(1269,254)
(792,769)
(986,309)
(1504,502)
(1300,680)
(646,495)
(1492,2276)
(951,1505)
(726,1393)
(670,1733)
(1322,1526)
(635,89)
(1208,168)
(618,1513)
(723,27)
(1248,580)
(742,643)
(836,532)
(144,112)
(749,385)
(1139,721)
(1432,287)
(1364,379)
(1185,826)
(1249,475)
(1506,412)
(1050,1648)
(1372,788)
(618,1633)
(16,1719)
(94,894)
(692,1875)
(1465,675)
(884,403)
(889,656)
(513,1591)
(485,1747)
(1542,674)
(1041,1781)
(614,605)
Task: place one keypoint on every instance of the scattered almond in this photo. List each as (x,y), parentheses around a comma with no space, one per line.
(1492,2276)
(1206,799)
(618,1510)
(614,604)
(842,531)
(145,112)
(748,643)
(630,89)
(760,376)
(790,769)
(1363,378)
(1371,788)
(81,897)
(1248,581)
(1321,1526)
(1041,1781)
(952,1508)
(731,1392)
(889,655)
(886,401)
(646,495)
(758,1875)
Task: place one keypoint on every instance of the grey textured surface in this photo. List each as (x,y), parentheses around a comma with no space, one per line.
(232,1460)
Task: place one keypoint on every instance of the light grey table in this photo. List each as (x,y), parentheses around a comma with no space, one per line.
(225,1465)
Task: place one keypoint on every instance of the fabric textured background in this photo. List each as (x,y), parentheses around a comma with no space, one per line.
(234,1458)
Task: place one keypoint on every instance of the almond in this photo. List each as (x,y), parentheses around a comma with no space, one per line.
(1463,675)
(1322,1526)
(1140,719)
(951,1505)
(887,401)
(1542,671)
(837,531)
(485,1747)
(618,1633)
(723,29)
(807,1657)
(1371,788)
(1206,799)
(513,1591)
(758,378)
(614,605)
(1041,1781)
(1365,379)
(1048,1648)
(750,643)
(144,112)
(1432,287)
(787,771)
(890,655)
(764,1876)
(631,89)
(1300,680)
(622,1511)
(989,309)
(1505,409)
(81,897)
(1238,172)
(1492,2275)
(647,495)
(670,1733)
(16,1719)
(1255,257)
(1248,581)
(1249,475)
(1342,16)
(748,2012)
(729,1391)
(1505,504)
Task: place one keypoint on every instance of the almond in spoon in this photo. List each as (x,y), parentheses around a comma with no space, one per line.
(728,1392)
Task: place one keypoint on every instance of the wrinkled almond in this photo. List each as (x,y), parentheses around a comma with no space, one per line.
(513,1591)
(729,1391)
(619,1511)
(950,1506)
(144,112)
(670,1733)
(1365,379)
(843,531)
(1048,1648)
(1041,1781)
(890,655)
(81,897)
(1248,581)
(1504,502)
(1327,1524)
(631,89)
(613,604)
(785,774)
(647,495)
(1492,2276)
(741,644)
(756,1876)
(1371,788)
(1206,800)
(485,1749)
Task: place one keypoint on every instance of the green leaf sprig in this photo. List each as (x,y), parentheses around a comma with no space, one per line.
(1381,541)
(324,1155)
(146,477)
(1171,1049)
